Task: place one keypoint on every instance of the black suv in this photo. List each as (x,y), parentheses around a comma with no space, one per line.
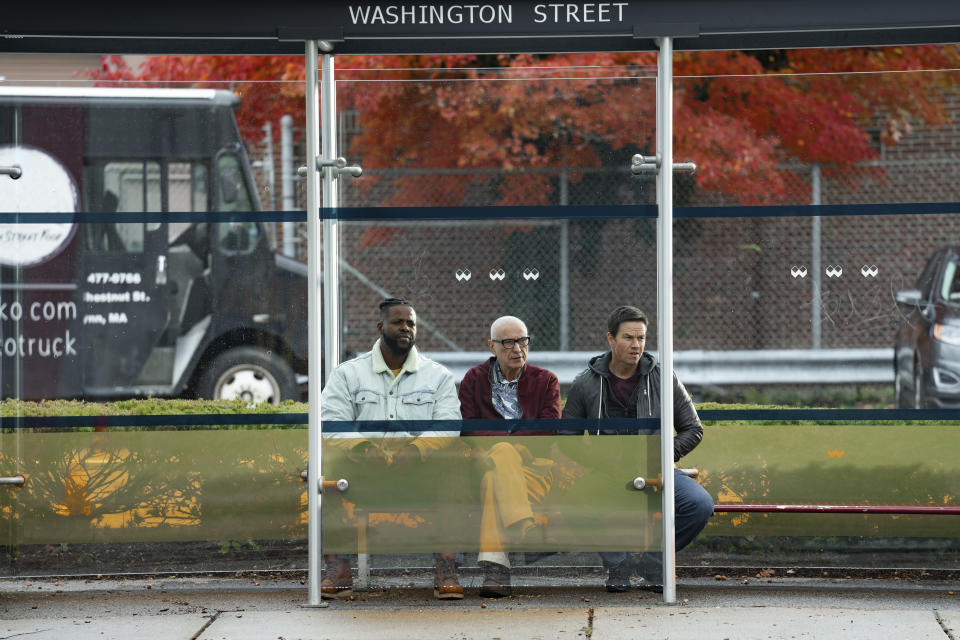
(926,357)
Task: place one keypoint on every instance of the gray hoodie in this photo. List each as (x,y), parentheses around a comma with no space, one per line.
(590,397)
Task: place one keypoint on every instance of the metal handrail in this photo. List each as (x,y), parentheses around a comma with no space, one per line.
(837,508)
(700,368)
(640,483)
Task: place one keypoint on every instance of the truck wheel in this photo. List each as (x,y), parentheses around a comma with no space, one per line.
(251,374)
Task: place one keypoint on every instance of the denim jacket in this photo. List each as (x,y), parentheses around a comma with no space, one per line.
(365,389)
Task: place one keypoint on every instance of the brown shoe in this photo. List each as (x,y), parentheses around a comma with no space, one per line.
(445,583)
(337,582)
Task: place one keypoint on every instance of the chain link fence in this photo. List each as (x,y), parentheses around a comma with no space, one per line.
(734,286)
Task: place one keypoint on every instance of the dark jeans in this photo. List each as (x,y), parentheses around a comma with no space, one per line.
(693,506)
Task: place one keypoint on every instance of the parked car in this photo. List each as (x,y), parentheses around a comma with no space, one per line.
(926,359)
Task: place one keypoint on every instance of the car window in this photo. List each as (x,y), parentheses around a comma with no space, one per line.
(232,192)
(950,286)
(925,282)
(126,186)
(187,186)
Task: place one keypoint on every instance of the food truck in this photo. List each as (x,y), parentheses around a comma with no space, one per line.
(163,282)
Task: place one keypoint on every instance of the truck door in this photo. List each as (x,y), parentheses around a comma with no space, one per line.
(125,274)
(248,301)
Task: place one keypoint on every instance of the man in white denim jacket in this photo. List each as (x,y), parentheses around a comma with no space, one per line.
(391,382)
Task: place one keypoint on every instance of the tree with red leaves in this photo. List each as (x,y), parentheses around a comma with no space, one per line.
(738,115)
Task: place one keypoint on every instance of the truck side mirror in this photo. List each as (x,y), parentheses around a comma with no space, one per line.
(228,188)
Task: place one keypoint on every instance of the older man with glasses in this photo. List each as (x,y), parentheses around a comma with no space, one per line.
(506,387)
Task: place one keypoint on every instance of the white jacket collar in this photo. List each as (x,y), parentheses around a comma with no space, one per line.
(410,365)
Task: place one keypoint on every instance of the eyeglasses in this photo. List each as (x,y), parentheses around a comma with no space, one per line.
(509,342)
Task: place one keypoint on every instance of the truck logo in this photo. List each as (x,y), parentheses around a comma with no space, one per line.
(44,186)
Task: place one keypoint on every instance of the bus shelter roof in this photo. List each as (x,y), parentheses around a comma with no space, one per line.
(486,26)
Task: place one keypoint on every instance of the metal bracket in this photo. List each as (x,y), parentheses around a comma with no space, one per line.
(640,483)
(651,164)
(338,165)
(340,485)
(16,481)
(13,171)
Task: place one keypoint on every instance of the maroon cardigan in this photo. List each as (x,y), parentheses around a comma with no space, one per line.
(538,394)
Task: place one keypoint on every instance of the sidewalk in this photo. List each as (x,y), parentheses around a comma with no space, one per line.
(271,608)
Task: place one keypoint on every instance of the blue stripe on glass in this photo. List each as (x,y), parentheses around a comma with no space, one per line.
(386,214)
(823,210)
(179,420)
(81,217)
(647,426)
(465,427)
(863,415)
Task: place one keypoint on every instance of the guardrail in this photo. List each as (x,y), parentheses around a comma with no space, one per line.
(722,368)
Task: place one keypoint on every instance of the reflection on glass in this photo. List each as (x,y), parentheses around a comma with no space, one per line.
(762,131)
(855,464)
(583,498)
(152,486)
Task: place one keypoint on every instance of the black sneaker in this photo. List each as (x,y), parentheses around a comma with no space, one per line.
(618,577)
(496,580)
(650,569)
(646,585)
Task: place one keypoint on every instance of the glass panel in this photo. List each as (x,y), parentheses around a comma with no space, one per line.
(837,297)
(577,489)
(444,152)
(784,285)
(863,464)
(119,293)
(121,489)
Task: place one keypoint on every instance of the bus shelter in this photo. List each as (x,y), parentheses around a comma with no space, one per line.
(630,463)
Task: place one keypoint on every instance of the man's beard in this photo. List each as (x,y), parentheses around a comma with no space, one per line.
(394,345)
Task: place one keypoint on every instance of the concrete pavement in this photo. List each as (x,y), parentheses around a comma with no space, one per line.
(217,608)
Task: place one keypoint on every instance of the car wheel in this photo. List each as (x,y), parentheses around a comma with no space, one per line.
(919,400)
(251,374)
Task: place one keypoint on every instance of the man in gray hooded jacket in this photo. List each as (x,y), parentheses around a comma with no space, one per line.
(625,383)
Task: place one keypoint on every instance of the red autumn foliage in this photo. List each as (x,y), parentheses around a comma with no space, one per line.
(738,115)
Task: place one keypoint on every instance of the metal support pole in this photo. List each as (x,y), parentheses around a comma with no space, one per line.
(314,339)
(288,172)
(270,168)
(564,285)
(331,235)
(816,318)
(331,200)
(564,249)
(665,303)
